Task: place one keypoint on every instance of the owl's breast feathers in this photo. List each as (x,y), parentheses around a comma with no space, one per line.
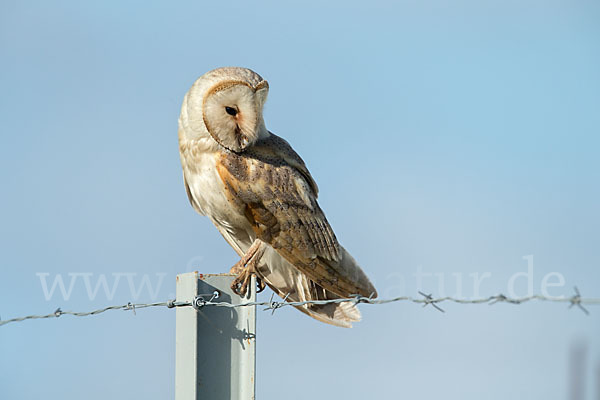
(271,186)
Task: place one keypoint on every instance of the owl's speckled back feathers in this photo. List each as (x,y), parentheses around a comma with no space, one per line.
(282,208)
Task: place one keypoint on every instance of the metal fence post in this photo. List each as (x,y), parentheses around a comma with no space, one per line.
(215,355)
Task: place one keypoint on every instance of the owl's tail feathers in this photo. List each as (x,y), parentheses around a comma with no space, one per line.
(293,285)
(340,314)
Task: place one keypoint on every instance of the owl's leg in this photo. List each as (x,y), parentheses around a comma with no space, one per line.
(246,267)
(239,266)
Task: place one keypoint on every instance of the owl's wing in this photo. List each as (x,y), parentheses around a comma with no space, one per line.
(272,185)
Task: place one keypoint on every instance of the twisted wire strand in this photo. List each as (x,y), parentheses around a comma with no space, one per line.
(426,299)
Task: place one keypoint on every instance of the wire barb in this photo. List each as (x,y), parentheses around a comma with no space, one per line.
(200,301)
(576,301)
(274,305)
(131,307)
(430,300)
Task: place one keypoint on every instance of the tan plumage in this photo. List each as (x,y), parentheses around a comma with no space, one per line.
(261,197)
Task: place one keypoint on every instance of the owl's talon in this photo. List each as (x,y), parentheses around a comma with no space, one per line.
(236,287)
(241,283)
(260,285)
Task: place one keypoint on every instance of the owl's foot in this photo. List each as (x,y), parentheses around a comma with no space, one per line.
(246,268)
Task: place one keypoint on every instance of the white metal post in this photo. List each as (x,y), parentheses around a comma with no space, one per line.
(215,355)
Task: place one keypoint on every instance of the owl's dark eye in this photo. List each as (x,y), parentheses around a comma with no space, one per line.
(231,111)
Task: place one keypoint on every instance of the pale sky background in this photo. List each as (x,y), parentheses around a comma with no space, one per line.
(447,137)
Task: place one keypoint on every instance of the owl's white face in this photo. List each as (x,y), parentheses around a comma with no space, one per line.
(226,105)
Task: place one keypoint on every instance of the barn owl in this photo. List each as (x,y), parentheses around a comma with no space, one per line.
(259,194)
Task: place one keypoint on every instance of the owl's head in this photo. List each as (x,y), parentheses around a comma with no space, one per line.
(225,105)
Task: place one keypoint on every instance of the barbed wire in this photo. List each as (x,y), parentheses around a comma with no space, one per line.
(426,299)
(126,307)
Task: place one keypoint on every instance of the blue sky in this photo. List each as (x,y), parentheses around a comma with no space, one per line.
(451,138)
